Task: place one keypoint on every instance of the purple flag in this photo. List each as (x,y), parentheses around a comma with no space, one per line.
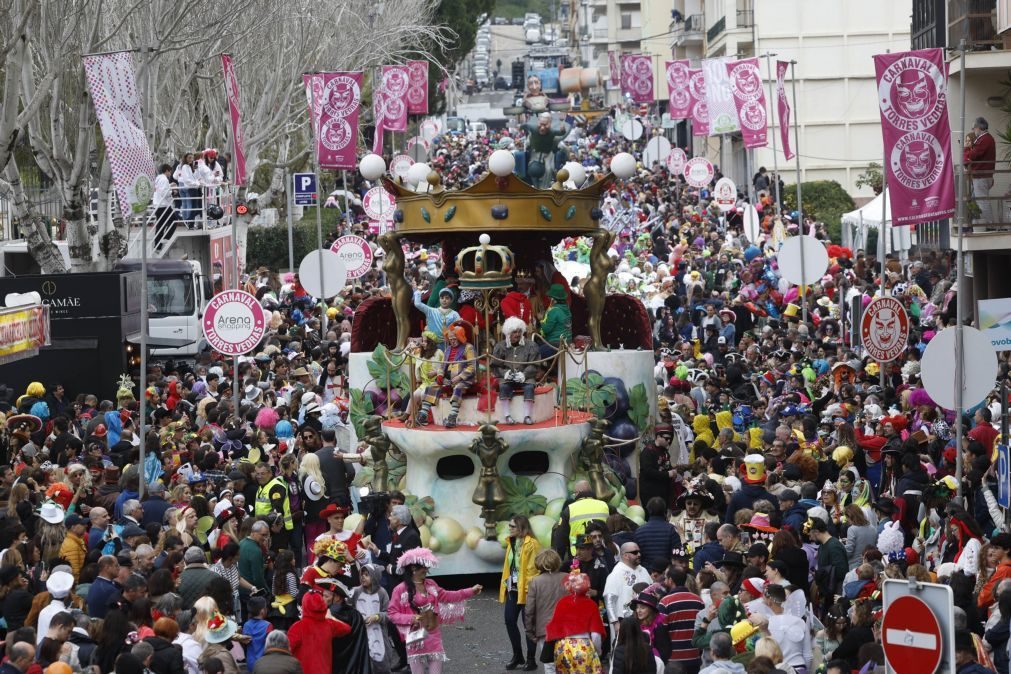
(749,99)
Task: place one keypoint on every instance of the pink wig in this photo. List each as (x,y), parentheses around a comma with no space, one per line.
(919,397)
(266,419)
(417,557)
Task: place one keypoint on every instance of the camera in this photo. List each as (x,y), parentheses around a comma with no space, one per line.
(374,504)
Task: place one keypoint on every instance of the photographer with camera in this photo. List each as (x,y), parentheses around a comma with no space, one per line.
(515,360)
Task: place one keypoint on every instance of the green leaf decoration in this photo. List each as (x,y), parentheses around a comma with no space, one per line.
(420,507)
(395,467)
(545,213)
(450,212)
(521,498)
(638,406)
(359,410)
(570,213)
(364,477)
(592,393)
(381,369)
(425,214)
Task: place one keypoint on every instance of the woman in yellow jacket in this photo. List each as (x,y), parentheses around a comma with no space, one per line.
(517,570)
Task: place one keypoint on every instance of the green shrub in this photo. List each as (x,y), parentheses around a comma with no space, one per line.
(268,246)
(825,201)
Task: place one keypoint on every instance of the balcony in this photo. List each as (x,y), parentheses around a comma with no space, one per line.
(633,34)
(928,28)
(689,31)
(716,29)
(598,35)
(973,21)
(988,218)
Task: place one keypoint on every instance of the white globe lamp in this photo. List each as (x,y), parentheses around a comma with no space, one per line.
(577,174)
(501,163)
(417,174)
(623,165)
(372,167)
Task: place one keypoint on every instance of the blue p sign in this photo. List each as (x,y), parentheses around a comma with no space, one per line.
(305,189)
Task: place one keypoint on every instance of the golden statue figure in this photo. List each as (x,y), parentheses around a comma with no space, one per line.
(595,288)
(380,446)
(592,456)
(489,446)
(401,293)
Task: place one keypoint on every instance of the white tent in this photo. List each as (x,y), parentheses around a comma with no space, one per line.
(856,223)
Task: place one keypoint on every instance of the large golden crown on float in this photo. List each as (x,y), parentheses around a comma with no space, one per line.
(503,203)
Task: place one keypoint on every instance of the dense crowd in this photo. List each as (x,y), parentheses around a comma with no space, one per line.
(784,480)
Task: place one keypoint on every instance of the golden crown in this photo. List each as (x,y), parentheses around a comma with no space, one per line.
(485,265)
(498,203)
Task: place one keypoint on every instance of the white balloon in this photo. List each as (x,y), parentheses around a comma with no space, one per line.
(501,163)
(372,166)
(418,173)
(577,174)
(623,165)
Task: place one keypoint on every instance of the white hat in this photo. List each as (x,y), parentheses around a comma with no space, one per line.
(52,512)
(308,397)
(221,506)
(59,583)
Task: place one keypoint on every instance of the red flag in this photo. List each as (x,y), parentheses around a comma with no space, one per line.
(912,98)
(637,77)
(232,92)
(749,99)
(678,74)
(784,107)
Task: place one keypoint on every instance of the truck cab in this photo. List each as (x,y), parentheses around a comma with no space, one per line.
(178,293)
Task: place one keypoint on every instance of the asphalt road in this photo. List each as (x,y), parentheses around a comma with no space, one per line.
(479,643)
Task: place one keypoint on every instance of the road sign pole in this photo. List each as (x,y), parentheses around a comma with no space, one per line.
(291,205)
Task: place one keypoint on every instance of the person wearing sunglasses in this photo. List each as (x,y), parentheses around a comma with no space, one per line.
(618,588)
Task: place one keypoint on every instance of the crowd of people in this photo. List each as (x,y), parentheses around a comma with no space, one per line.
(785,479)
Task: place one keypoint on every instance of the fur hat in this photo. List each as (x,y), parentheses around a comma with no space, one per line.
(515,324)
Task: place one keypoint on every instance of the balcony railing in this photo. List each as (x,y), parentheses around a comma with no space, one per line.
(929,27)
(689,29)
(715,30)
(988,210)
(973,21)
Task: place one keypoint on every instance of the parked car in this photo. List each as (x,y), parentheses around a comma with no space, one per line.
(500,21)
(501,84)
(517,21)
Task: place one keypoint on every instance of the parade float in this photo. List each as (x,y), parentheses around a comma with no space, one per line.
(593,406)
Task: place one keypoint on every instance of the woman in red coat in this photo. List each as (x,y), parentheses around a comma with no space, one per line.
(312,637)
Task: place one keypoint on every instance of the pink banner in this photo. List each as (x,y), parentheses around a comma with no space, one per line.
(232,92)
(912,97)
(615,69)
(697,101)
(749,98)
(679,103)
(389,103)
(113,88)
(417,90)
(335,99)
(784,107)
(637,77)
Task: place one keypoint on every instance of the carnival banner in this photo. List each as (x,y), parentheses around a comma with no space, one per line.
(749,99)
(113,89)
(784,107)
(238,138)
(697,100)
(334,102)
(679,102)
(995,322)
(720,97)
(23,331)
(389,103)
(912,98)
(417,90)
(637,77)
(614,67)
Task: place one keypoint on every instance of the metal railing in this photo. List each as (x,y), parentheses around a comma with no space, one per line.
(973,21)
(690,28)
(988,210)
(717,28)
(44,202)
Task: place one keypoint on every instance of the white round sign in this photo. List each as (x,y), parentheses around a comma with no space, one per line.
(815,260)
(632,129)
(752,224)
(725,194)
(326,283)
(676,161)
(234,323)
(430,128)
(379,204)
(355,253)
(979,367)
(417,148)
(400,165)
(657,150)
(699,172)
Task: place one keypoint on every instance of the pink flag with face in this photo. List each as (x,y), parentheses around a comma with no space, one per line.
(396,83)
(678,74)
(615,69)
(912,98)
(637,77)
(334,104)
(232,93)
(697,100)
(784,107)
(417,88)
(749,99)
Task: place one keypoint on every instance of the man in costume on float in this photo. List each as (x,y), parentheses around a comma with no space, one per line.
(542,141)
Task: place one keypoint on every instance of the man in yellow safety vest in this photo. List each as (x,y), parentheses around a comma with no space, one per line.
(272,497)
(581,512)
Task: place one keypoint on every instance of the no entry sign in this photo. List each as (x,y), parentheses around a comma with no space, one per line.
(911,637)
(234,323)
(884,329)
(356,254)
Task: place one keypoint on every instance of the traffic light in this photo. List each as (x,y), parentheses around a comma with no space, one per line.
(517,74)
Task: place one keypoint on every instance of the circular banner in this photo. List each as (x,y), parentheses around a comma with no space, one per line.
(802,259)
(379,204)
(356,254)
(676,161)
(399,166)
(979,367)
(725,194)
(632,129)
(233,323)
(699,172)
(884,329)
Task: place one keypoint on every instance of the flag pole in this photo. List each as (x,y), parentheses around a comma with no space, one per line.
(775,158)
(959,278)
(882,234)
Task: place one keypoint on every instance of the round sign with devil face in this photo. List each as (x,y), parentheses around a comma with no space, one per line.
(341,96)
(746,81)
(917,160)
(884,329)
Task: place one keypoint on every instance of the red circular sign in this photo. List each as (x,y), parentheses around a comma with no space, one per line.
(884,329)
(234,323)
(911,636)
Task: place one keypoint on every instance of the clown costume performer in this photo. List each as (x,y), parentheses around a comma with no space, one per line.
(419,607)
(456,375)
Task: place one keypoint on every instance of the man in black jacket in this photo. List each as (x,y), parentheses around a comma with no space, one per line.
(333,469)
(405,537)
(655,470)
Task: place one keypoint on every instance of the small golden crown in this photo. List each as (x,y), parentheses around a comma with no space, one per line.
(485,266)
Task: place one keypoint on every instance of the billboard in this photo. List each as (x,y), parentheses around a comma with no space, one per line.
(995,322)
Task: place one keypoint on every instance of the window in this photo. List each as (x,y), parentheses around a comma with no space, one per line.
(454,467)
(626,21)
(170,296)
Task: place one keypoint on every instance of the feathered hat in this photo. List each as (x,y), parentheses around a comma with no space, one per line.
(417,557)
